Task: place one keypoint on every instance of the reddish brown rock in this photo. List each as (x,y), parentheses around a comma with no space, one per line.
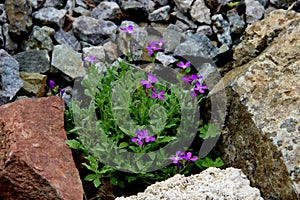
(35,162)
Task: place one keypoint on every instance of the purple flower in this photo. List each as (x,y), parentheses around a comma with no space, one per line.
(61,91)
(154,46)
(148,83)
(52,84)
(177,158)
(142,136)
(90,59)
(184,66)
(191,78)
(128,30)
(198,89)
(159,95)
(188,157)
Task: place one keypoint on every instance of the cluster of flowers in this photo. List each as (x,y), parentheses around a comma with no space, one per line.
(182,157)
(55,89)
(142,137)
(149,83)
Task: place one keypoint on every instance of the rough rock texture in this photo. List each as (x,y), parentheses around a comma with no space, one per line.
(213,183)
(10,81)
(50,16)
(106,10)
(19,15)
(35,162)
(183,5)
(199,12)
(34,83)
(263,123)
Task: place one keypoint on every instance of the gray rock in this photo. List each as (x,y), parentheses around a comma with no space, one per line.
(68,62)
(37,3)
(166,60)
(161,2)
(172,37)
(261,135)
(280,3)
(200,12)
(197,45)
(53,3)
(81,11)
(205,29)
(93,30)
(9,44)
(236,22)
(10,82)
(38,39)
(183,26)
(184,18)
(3,17)
(254,11)
(2,41)
(62,37)
(212,183)
(111,51)
(130,5)
(19,16)
(33,61)
(183,5)
(80,3)
(148,4)
(222,28)
(96,51)
(160,14)
(50,17)
(106,10)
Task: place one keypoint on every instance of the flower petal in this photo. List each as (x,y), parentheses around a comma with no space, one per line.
(151,78)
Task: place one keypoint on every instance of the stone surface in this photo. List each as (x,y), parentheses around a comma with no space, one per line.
(166,60)
(184,18)
(254,11)
(50,17)
(111,50)
(38,39)
(236,22)
(67,61)
(213,183)
(3,17)
(93,30)
(9,45)
(35,162)
(200,13)
(96,51)
(222,28)
(262,127)
(205,29)
(34,84)
(19,16)
(172,37)
(10,82)
(106,10)
(33,61)
(160,14)
(183,5)
(62,37)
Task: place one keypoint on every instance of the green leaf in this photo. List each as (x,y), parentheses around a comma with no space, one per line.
(124,144)
(114,180)
(165,139)
(209,131)
(131,178)
(74,144)
(97,182)
(121,184)
(90,177)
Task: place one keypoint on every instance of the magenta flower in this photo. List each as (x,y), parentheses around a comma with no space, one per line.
(154,46)
(159,95)
(177,158)
(61,91)
(52,84)
(148,83)
(198,89)
(191,78)
(128,30)
(188,157)
(184,66)
(142,136)
(90,59)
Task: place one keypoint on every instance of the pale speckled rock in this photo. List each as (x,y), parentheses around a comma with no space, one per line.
(62,37)
(67,61)
(213,183)
(34,83)
(236,21)
(111,51)
(3,17)
(9,45)
(222,28)
(183,5)
(106,10)
(183,18)
(96,51)
(205,29)
(200,13)
(259,36)
(166,60)
(172,37)
(254,11)
(33,61)
(262,129)
(159,14)
(50,17)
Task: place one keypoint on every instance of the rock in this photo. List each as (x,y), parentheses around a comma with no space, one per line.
(81,11)
(205,29)
(280,3)
(106,10)
(197,45)
(37,4)
(222,28)
(10,82)
(134,8)
(259,35)
(183,5)
(160,14)
(212,183)
(38,39)
(33,61)
(183,26)
(67,38)
(172,38)
(262,126)
(161,2)
(35,161)
(184,18)
(68,62)
(236,22)
(9,45)
(111,51)
(96,51)
(92,30)
(200,13)
(19,16)
(53,3)
(34,83)
(166,60)
(50,17)
(3,17)
(254,11)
